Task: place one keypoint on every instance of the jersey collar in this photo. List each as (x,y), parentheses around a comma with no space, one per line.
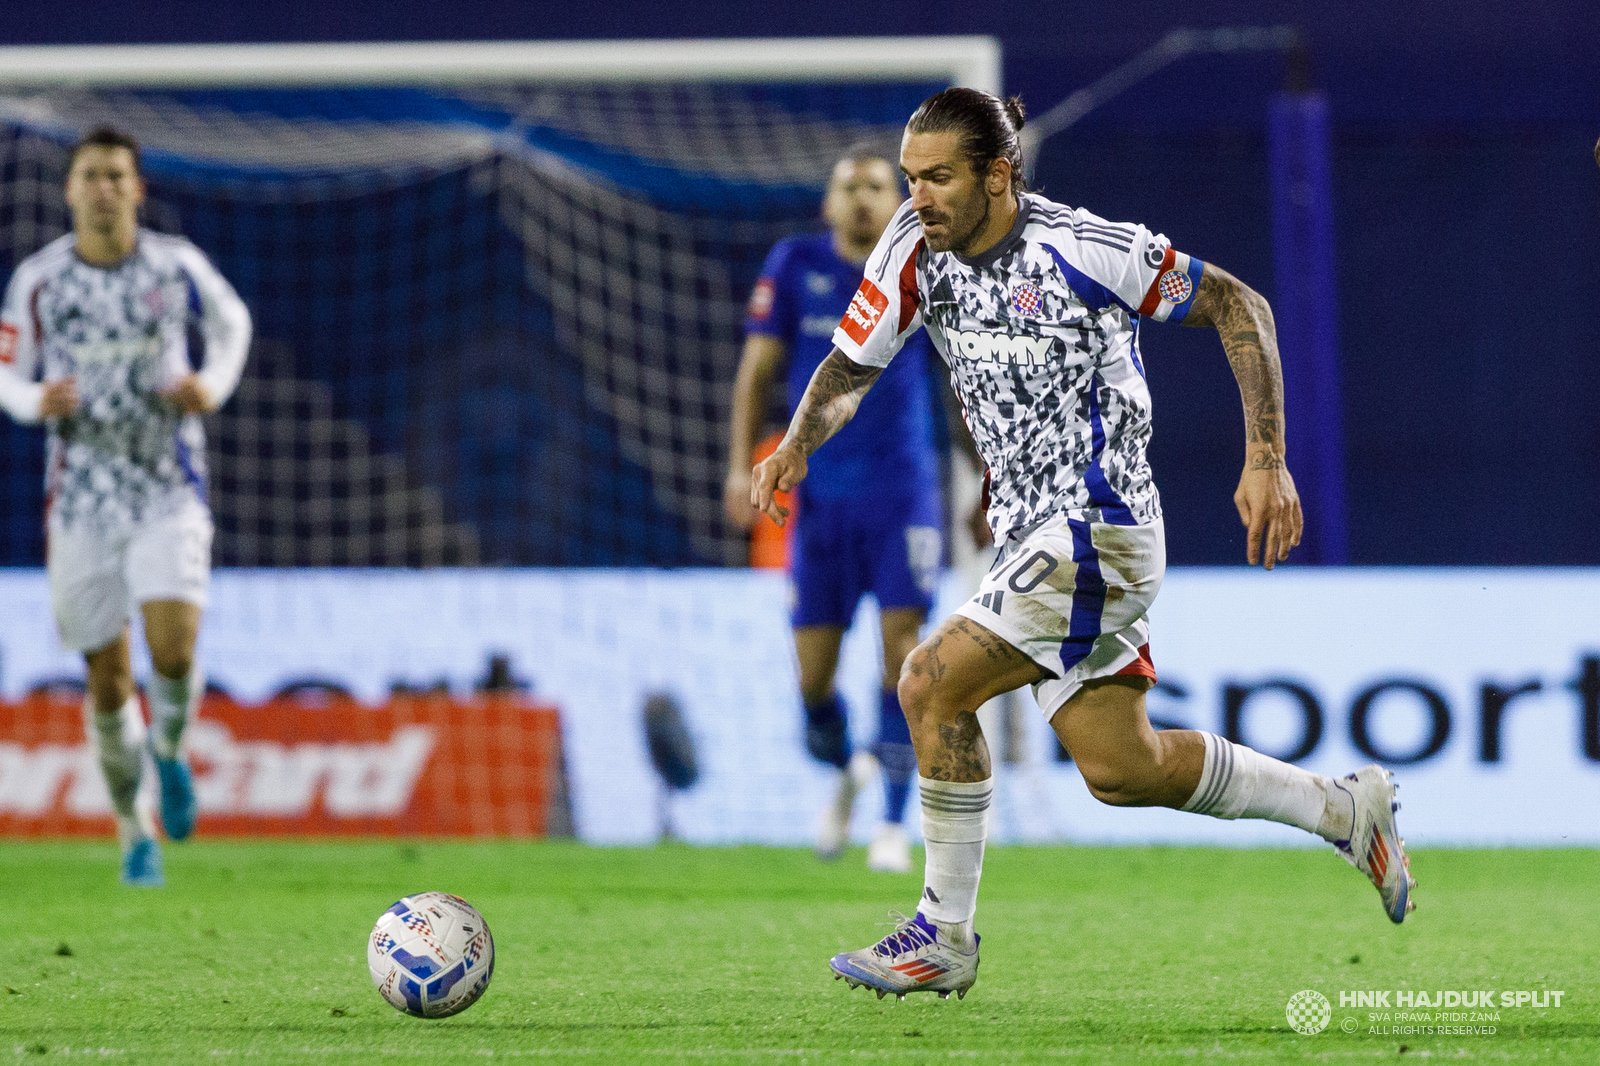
(1004,244)
(138,243)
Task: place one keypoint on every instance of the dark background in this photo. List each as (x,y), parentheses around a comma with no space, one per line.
(1467,204)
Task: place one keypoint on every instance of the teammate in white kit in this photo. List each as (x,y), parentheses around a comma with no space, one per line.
(1036,308)
(102,317)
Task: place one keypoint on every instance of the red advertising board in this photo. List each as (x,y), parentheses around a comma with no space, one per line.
(424,765)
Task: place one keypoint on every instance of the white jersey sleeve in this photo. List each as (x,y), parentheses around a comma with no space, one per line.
(224,323)
(887,308)
(1127,263)
(20,395)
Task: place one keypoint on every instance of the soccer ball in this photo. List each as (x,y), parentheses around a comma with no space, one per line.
(431,955)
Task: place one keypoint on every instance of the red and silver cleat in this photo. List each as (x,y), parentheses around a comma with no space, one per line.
(913,958)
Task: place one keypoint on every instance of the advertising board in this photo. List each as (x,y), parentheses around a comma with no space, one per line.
(1480,688)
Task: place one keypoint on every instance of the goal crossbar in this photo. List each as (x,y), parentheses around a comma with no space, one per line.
(962,60)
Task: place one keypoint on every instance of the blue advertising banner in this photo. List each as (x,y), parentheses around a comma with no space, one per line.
(1480,688)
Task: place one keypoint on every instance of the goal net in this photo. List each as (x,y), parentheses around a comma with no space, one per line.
(497,289)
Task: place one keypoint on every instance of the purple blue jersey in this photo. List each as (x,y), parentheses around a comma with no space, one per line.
(869,516)
(887,449)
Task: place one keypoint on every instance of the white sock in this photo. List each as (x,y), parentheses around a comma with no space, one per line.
(172,704)
(1240,782)
(955,816)
(118,742)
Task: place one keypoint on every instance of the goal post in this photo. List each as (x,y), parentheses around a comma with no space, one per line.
(972,61)
(498,286)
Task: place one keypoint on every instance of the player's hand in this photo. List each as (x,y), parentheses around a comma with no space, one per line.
(736,499)
(978,525)
(779,472)
(1269,507)
(60,398)
(189,396)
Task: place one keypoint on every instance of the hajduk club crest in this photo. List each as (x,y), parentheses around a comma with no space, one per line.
(1176,286)
(1026,299)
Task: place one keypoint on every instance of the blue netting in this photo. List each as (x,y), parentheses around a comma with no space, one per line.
(528,297)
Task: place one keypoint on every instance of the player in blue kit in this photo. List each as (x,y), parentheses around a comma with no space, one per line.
(870,513)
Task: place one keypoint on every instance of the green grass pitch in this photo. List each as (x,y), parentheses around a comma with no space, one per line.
(1091,955)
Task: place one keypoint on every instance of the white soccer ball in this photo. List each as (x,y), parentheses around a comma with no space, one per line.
(431,955)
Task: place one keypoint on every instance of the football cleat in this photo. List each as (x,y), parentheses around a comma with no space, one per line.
(141,864)
(833,827)
(913,958)
(177,797)
(890,850)
(1375,847)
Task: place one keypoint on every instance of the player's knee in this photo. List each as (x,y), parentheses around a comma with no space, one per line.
(110,689)
(915,689)
(921,697)
(174,660)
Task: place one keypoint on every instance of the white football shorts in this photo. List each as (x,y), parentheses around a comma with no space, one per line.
(96,576)
(1073,597)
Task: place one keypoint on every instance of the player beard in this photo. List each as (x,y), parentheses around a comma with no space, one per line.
(950,241)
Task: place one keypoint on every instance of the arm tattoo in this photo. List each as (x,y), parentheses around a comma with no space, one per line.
(1266,460)
(1243,319)
(829,401)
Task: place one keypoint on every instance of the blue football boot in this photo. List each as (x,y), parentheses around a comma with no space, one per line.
(177,797)
(141,864)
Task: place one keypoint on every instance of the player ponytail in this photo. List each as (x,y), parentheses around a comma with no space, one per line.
(1016,112)
(987,125)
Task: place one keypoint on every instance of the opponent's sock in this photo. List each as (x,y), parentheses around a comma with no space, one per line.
(954,825)
(118,741)
(828,732)
(172,704)
(1239,782)
(895,755)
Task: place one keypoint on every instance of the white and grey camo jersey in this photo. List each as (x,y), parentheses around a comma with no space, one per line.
(1041,334)
(122,331)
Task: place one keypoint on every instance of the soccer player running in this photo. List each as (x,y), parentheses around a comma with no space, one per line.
(102,315)
(870,510)
(1036,308)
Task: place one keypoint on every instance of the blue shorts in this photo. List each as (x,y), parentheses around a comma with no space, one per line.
(845,548)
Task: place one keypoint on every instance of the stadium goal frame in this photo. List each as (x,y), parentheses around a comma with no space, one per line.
(972,61)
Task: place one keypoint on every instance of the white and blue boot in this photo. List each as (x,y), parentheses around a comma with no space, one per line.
(1375,847)
(913,958)
(833,825)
